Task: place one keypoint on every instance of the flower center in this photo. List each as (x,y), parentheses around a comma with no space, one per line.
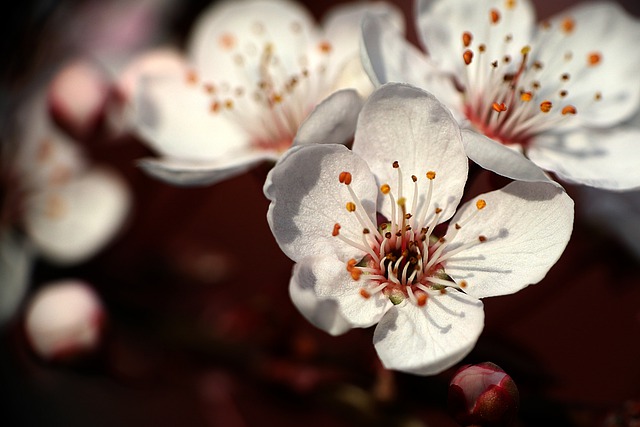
(514,99)
(401,256)
(274,95)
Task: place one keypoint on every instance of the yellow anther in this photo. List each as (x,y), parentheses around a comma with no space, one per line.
(228,104)
(431,175)
(545,106)
(402,201)
(385,189)
(480,204)
(351,207)
(510,4)
(525,50)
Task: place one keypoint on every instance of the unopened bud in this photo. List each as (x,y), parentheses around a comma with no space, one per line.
(483,395)
(64,320)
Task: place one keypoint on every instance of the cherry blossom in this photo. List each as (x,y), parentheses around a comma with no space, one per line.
(362,226)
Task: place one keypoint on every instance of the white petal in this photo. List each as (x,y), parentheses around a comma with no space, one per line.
(190,173)
(342,25)
(498,158)
(332,121)
(526,225)
(232,28)
(601,159)
(406,124)
(388,57)
(605,29)
(427,340)
(307,199)
(71,223)
(325,293)
(15,267)
(175,118)
(441,24)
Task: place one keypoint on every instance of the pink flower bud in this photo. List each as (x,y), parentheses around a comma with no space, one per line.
(64,320)
(483,395)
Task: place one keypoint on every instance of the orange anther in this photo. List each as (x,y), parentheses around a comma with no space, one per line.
(467,56)
(438,210)
(325,47)
(568,24)
(345,178)
(192,77)
(569,109)
(466,38)
(228,104)
(422,298)
(594,58)
(481,204)
(510,4)
(351,207)
(336,230)
(463,283)
(431,175)
(526,96)
(364,293)
(494,15)
(227,41)
(355,273)
(545,106)
(385,189)
(351,264)
(215,106)
(499,108)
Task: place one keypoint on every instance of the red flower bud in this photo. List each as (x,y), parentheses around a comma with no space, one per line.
(483,395)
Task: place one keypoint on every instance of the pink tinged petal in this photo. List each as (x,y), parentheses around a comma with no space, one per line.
(388,57)
(307,200)
(503,160)
(64,319)
(598,57)
(328,297)
(427,340)
(72,222)
(441,24)
(176,119)
(602,159)
(233,29)
(194,173)
(77,97)
(15,268)
(342,26)
(518,235)
(332,121)
(402,123)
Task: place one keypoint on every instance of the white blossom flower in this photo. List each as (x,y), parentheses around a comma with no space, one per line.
(362,227)
(256,69)
(556,92)
(56,206)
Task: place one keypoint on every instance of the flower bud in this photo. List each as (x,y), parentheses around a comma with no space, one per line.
(64,320)
(483,395)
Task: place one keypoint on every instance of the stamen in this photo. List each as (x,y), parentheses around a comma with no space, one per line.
(494,15)
(467,37)
(545,106)
(345,178)
(467,56)
(569,109)
(594,58)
